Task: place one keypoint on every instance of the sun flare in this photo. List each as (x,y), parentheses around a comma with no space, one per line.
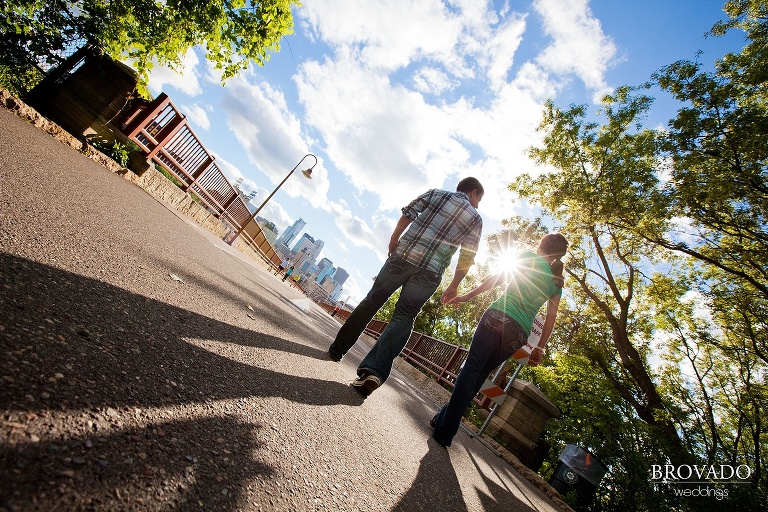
(507,261)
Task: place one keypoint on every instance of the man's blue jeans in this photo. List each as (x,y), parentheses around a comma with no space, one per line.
(418,285)
(496,338)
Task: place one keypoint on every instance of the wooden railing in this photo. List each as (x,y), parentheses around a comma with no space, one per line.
(164,134)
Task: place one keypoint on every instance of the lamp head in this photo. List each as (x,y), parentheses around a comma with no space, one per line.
(307,173)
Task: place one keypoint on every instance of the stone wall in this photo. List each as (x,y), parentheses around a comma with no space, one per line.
(163,189)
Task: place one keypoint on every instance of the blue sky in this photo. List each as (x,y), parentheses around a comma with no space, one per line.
(395,97)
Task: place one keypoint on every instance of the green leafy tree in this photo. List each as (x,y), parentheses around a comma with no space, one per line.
(607,197)
(594,416)
(716,382)
(718,146)
(145,32)
(607,178)
(19,79)
(631,199)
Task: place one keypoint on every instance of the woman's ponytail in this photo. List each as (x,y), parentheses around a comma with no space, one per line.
(554,244)
(557,271)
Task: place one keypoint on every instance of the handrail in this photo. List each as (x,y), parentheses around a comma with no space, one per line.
(162,132)
(437,358)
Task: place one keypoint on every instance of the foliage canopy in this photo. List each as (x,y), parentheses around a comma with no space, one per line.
(668,273)
(144,32)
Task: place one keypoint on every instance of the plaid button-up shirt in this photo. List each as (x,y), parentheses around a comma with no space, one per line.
(442,222)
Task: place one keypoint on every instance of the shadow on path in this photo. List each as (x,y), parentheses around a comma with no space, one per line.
(181,465)
(500,498)
(71,343)
(436,486)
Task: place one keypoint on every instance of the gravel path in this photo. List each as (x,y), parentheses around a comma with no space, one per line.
(147,366)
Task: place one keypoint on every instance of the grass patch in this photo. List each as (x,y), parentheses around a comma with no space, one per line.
(176,181)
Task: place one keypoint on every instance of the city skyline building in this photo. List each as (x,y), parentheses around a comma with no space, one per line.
(291,232)
(326,268)
(304,256)
(310,270)
(324,263)
(304,245)
(328,285)
(340,276)
(316,249)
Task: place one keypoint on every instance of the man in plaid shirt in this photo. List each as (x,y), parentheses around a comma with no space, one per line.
(438,222)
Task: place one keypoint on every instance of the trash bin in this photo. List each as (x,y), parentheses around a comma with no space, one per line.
(578,470)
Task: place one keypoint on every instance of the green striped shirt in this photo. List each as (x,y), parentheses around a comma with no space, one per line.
(530,286)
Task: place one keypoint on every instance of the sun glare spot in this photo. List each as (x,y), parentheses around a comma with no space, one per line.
(507,261)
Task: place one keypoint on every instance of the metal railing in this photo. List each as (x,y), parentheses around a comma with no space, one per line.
(342,314)
(163,133)
(439,359)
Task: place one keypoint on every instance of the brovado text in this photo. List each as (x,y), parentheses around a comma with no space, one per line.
(723,473)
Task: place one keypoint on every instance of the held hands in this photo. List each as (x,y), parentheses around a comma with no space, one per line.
(450,296)
(455,301)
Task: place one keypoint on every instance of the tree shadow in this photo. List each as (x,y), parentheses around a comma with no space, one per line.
(74,346)
(117,348)
(176,465)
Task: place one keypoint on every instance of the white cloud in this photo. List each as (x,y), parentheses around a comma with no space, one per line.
(385,35)
(354,229)
(395,143)
(501,50)
(197,115)
(357,286)
(429,80)
(385,138)
(343,246)
(271,135)
(537,83)
(579,45)
(272,210)
(233,173)
(184,78)
(276,213)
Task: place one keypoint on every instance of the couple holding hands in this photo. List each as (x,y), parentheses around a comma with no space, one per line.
(432,227)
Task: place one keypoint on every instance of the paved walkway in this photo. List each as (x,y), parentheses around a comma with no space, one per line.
(148,366)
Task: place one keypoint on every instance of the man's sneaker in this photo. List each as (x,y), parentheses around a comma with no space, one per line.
(333,357)
(366,383)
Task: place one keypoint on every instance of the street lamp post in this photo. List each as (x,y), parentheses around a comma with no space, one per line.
(307,174)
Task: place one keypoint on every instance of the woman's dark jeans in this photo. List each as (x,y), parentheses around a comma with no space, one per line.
(496,338)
